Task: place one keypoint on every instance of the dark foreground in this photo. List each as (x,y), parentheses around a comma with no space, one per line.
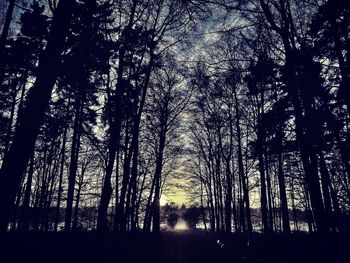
(171,247)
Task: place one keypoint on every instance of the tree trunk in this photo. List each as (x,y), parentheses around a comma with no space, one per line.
(228,201)
(149,205)
(157,176)
(116,204)
(283,195)
(263,195)
(124,187)
(24,225)
(60,179)
(325,182)
(138,202)
(73,161)
(133,184)
(77,199)
(243,178)
(107,185)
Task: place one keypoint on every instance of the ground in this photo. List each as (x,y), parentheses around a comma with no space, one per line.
(171,247)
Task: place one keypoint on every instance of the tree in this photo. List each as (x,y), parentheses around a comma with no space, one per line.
(293,57)
(16,159)
(168,101)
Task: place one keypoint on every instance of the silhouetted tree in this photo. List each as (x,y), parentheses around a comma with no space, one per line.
(30,119)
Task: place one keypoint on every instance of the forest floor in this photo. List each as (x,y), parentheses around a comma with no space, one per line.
(173,247)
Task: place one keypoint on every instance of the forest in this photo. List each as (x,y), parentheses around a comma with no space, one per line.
(111,110)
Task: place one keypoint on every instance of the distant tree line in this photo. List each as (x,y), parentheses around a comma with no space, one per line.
(102,100)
